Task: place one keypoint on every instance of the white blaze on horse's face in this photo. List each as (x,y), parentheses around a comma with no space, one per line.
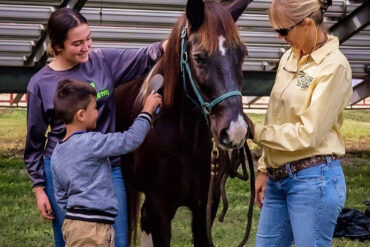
(237,131)
(221,47)
(146,240)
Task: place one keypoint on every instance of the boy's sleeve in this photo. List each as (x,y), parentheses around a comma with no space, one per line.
(115,144)
(129,64)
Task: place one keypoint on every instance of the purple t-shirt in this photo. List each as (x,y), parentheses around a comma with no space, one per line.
(105,70)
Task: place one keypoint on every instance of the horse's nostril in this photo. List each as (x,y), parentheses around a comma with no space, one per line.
(224,137)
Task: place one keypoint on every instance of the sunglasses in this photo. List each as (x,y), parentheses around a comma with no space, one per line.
(285,31)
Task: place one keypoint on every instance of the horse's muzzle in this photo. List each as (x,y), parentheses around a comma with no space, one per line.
(234,136)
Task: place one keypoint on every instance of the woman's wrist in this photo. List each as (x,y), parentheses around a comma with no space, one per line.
(37,189)
(262,171)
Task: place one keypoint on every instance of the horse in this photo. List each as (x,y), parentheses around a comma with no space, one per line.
(202,71)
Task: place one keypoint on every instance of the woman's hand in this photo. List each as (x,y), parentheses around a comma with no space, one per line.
(43,203)
(250,124)
(261,182)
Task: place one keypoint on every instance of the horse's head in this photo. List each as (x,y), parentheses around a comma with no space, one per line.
(215,56)
(211,56)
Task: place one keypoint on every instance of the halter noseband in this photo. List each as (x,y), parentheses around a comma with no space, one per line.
(206,107)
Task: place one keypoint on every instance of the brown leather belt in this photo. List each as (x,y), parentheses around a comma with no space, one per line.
(296,166)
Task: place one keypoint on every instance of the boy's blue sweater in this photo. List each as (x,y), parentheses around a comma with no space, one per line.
(82,173)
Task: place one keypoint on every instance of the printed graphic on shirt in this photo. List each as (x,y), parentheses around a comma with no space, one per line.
(100,94)
(304,80)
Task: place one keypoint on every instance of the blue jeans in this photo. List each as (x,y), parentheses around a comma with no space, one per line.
(302,208)
(120,225)
(58,212)
(121,222)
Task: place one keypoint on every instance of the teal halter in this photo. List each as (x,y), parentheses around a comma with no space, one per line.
(185,69)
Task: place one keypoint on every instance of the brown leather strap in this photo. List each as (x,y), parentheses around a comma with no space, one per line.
(296,166)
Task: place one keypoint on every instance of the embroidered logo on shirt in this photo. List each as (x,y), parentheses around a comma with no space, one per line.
(304,80)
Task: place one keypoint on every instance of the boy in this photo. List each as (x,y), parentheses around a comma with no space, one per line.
(80,164)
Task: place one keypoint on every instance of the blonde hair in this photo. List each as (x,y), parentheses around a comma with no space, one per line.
(294,11)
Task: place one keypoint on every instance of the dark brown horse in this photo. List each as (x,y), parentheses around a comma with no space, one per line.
(172,167)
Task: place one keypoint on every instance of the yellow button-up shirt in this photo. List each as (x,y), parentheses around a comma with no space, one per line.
(304,115)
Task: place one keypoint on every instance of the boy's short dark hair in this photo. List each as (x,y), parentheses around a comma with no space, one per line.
(70,97)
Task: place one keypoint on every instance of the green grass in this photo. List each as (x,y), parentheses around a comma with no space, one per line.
(20,222)
(356,130)
(13,130)
(22,226)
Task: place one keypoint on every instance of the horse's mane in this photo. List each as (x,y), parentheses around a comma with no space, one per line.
(217,21)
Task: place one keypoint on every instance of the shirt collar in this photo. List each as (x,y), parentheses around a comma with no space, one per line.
(331,45)
(319,54)
(74,133)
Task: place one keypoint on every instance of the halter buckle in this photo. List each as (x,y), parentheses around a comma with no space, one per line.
(184,57)
(206,109)
(183,32)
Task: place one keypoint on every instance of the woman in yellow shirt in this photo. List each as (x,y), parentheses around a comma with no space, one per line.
(300,185)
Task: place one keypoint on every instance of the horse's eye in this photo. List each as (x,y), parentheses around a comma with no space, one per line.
(200,60)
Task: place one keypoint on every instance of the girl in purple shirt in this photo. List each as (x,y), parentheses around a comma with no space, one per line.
(104,69)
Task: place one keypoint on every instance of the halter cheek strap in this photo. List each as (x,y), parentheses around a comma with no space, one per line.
(206,107)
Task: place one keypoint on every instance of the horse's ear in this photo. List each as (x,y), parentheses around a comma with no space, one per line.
(237,7)
(195,13)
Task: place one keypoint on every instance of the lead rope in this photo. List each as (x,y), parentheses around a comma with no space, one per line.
(214,172)
(251,200)
(225,203)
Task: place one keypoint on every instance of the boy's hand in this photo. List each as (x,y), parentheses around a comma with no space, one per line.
(43,203)
(152,102)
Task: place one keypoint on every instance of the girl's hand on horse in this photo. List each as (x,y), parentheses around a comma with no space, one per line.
(261,182)
(152,102)
(164,45)
(43,203)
